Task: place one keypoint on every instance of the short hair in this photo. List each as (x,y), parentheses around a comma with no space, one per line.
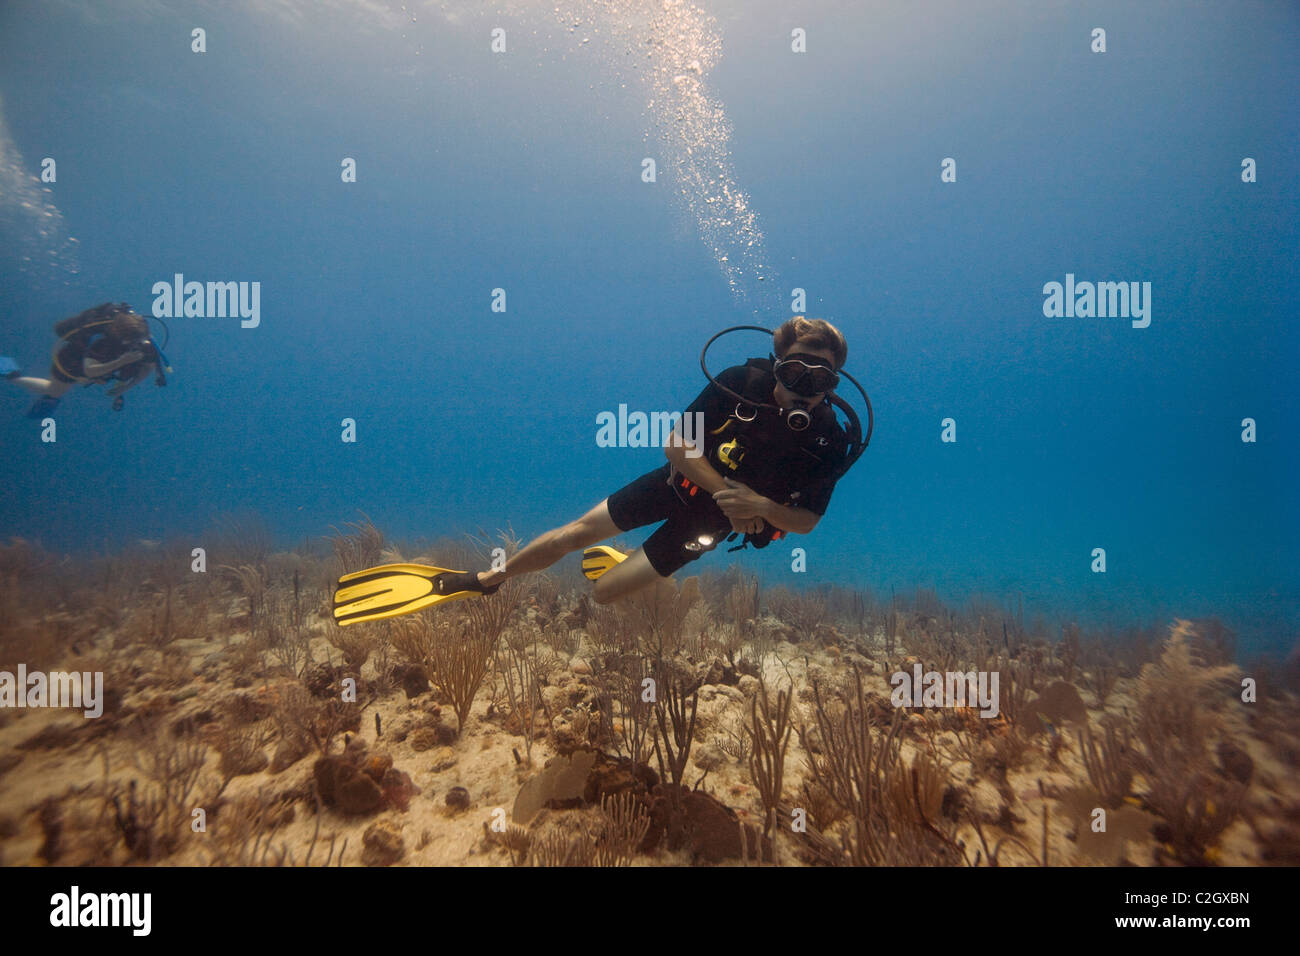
(813,333)
(128,327)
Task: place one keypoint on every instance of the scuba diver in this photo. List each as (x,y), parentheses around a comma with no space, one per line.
(107,343)
(773,451)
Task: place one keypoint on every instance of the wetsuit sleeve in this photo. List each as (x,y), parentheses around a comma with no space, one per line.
(818,498)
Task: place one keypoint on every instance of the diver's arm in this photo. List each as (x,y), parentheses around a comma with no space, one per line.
(140,376)
(698,470)
(693,466)
(739,502)
(95,369)
(789,518)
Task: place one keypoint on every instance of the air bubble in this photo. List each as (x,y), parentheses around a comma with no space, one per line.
(681,43)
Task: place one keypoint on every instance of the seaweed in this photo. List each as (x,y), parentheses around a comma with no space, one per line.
(1212,642)
(252,584)
(289,646)
(459,666)
(414,636)
(557,848)
(823,811)
(1110,766)
(523,685)
(298,715)
(656,615)
(244,830)
(769,730)
(1101,678)
(625,825)
(514,838)
(1068,651)
(1195,809)
(803,611)
(734,741)
(242,535)
(992,856)
(675,707)
(152,819)
(862,610)
(625,715)
(355,643)
(1177,715)
(359,549)
(606,628)
(1016,681)
(1177,710)
(241,748)
(698,628)
(856,767)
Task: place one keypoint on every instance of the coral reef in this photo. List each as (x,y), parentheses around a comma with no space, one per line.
(706,722)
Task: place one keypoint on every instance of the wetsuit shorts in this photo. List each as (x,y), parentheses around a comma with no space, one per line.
(650,499)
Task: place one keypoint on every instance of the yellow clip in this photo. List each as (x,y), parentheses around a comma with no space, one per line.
(731,454)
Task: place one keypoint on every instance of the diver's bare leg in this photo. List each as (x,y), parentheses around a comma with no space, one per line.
(624,578)
(42,386)
(543,551)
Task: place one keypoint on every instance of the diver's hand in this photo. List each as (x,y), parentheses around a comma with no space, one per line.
(747,525)
(739,501)
(128,358)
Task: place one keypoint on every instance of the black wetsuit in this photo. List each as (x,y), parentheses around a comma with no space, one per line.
(96,345)
(789,467)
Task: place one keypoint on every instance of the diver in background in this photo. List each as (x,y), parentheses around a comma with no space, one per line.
(107,343)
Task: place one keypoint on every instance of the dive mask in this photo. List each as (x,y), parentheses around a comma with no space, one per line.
(805,375)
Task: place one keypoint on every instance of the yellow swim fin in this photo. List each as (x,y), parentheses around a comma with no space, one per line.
(596,561)
(393,589)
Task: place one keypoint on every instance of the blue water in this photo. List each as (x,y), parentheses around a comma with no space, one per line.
(522,171)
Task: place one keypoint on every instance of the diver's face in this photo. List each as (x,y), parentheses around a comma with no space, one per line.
(788,399)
